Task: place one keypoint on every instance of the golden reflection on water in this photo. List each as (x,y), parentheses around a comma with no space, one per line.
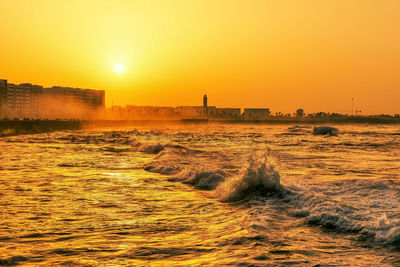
(76,212)
(92,203)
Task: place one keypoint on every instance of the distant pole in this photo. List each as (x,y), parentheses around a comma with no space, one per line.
(352,107)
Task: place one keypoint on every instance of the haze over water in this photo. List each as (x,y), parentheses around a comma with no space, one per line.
(204,194)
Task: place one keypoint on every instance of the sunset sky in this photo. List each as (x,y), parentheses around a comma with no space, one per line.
(280,54)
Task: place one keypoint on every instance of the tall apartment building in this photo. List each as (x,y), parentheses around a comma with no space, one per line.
(38,102)
(3,93)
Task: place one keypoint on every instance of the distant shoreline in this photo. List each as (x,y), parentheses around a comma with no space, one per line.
(18,127)
(322,120)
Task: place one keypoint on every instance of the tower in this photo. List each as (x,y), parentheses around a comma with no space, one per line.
(205,101)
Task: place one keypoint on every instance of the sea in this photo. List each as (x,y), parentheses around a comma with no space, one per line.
(202,194)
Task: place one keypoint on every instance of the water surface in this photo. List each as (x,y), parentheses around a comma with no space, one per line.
(202,195)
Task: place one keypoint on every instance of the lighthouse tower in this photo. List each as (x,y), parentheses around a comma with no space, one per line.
(205,107)
(205,101)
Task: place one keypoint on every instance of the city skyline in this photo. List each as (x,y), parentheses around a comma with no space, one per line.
(32,101)
(282,54)
(353,110)
(28,101)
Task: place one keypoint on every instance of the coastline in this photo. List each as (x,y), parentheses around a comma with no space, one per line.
(18,127)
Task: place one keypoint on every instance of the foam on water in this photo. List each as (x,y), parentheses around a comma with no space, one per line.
(258,175)
(319,209)
(252,214)
(387,232)
(324,211)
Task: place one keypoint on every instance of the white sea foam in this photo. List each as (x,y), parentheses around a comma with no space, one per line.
(236,176)
(210,170)
(322,210)
(259,174)
(387,232)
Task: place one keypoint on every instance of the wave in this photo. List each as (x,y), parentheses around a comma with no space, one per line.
(387,232)
(236,177)
(209,170)
(259,176)
(12,261)
(151,148)
(319,209)
(201,179)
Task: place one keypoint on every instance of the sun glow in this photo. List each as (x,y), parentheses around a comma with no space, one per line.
(119,68)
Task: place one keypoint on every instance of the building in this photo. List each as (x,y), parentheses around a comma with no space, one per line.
(3,98)
(28,101)
(300,112)
(224,113)
(131,112)
(16,100)
(192,112)
(256,114)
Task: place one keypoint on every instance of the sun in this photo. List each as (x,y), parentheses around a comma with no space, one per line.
(119,68)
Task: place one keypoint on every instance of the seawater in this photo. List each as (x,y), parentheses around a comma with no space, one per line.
(205,194)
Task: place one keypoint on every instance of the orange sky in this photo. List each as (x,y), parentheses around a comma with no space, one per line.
(279,54)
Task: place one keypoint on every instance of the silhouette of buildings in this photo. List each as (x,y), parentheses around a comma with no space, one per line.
(131,112)
(28,101)
(185,112)
(256,114)
(192,112)
(224,113)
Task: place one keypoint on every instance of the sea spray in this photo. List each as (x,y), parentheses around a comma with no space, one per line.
(324,211)
(387,232)
(258,175)
(321,210)
(202,170)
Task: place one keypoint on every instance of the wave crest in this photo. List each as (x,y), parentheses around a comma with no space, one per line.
(151,148)
(260,175)
(387,232)
(201,179)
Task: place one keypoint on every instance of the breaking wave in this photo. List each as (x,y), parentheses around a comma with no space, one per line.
(259,176)
(324,211)
(387,232)
(201,179)
(318,209)
(152,148)
(233,178)
(231,182)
